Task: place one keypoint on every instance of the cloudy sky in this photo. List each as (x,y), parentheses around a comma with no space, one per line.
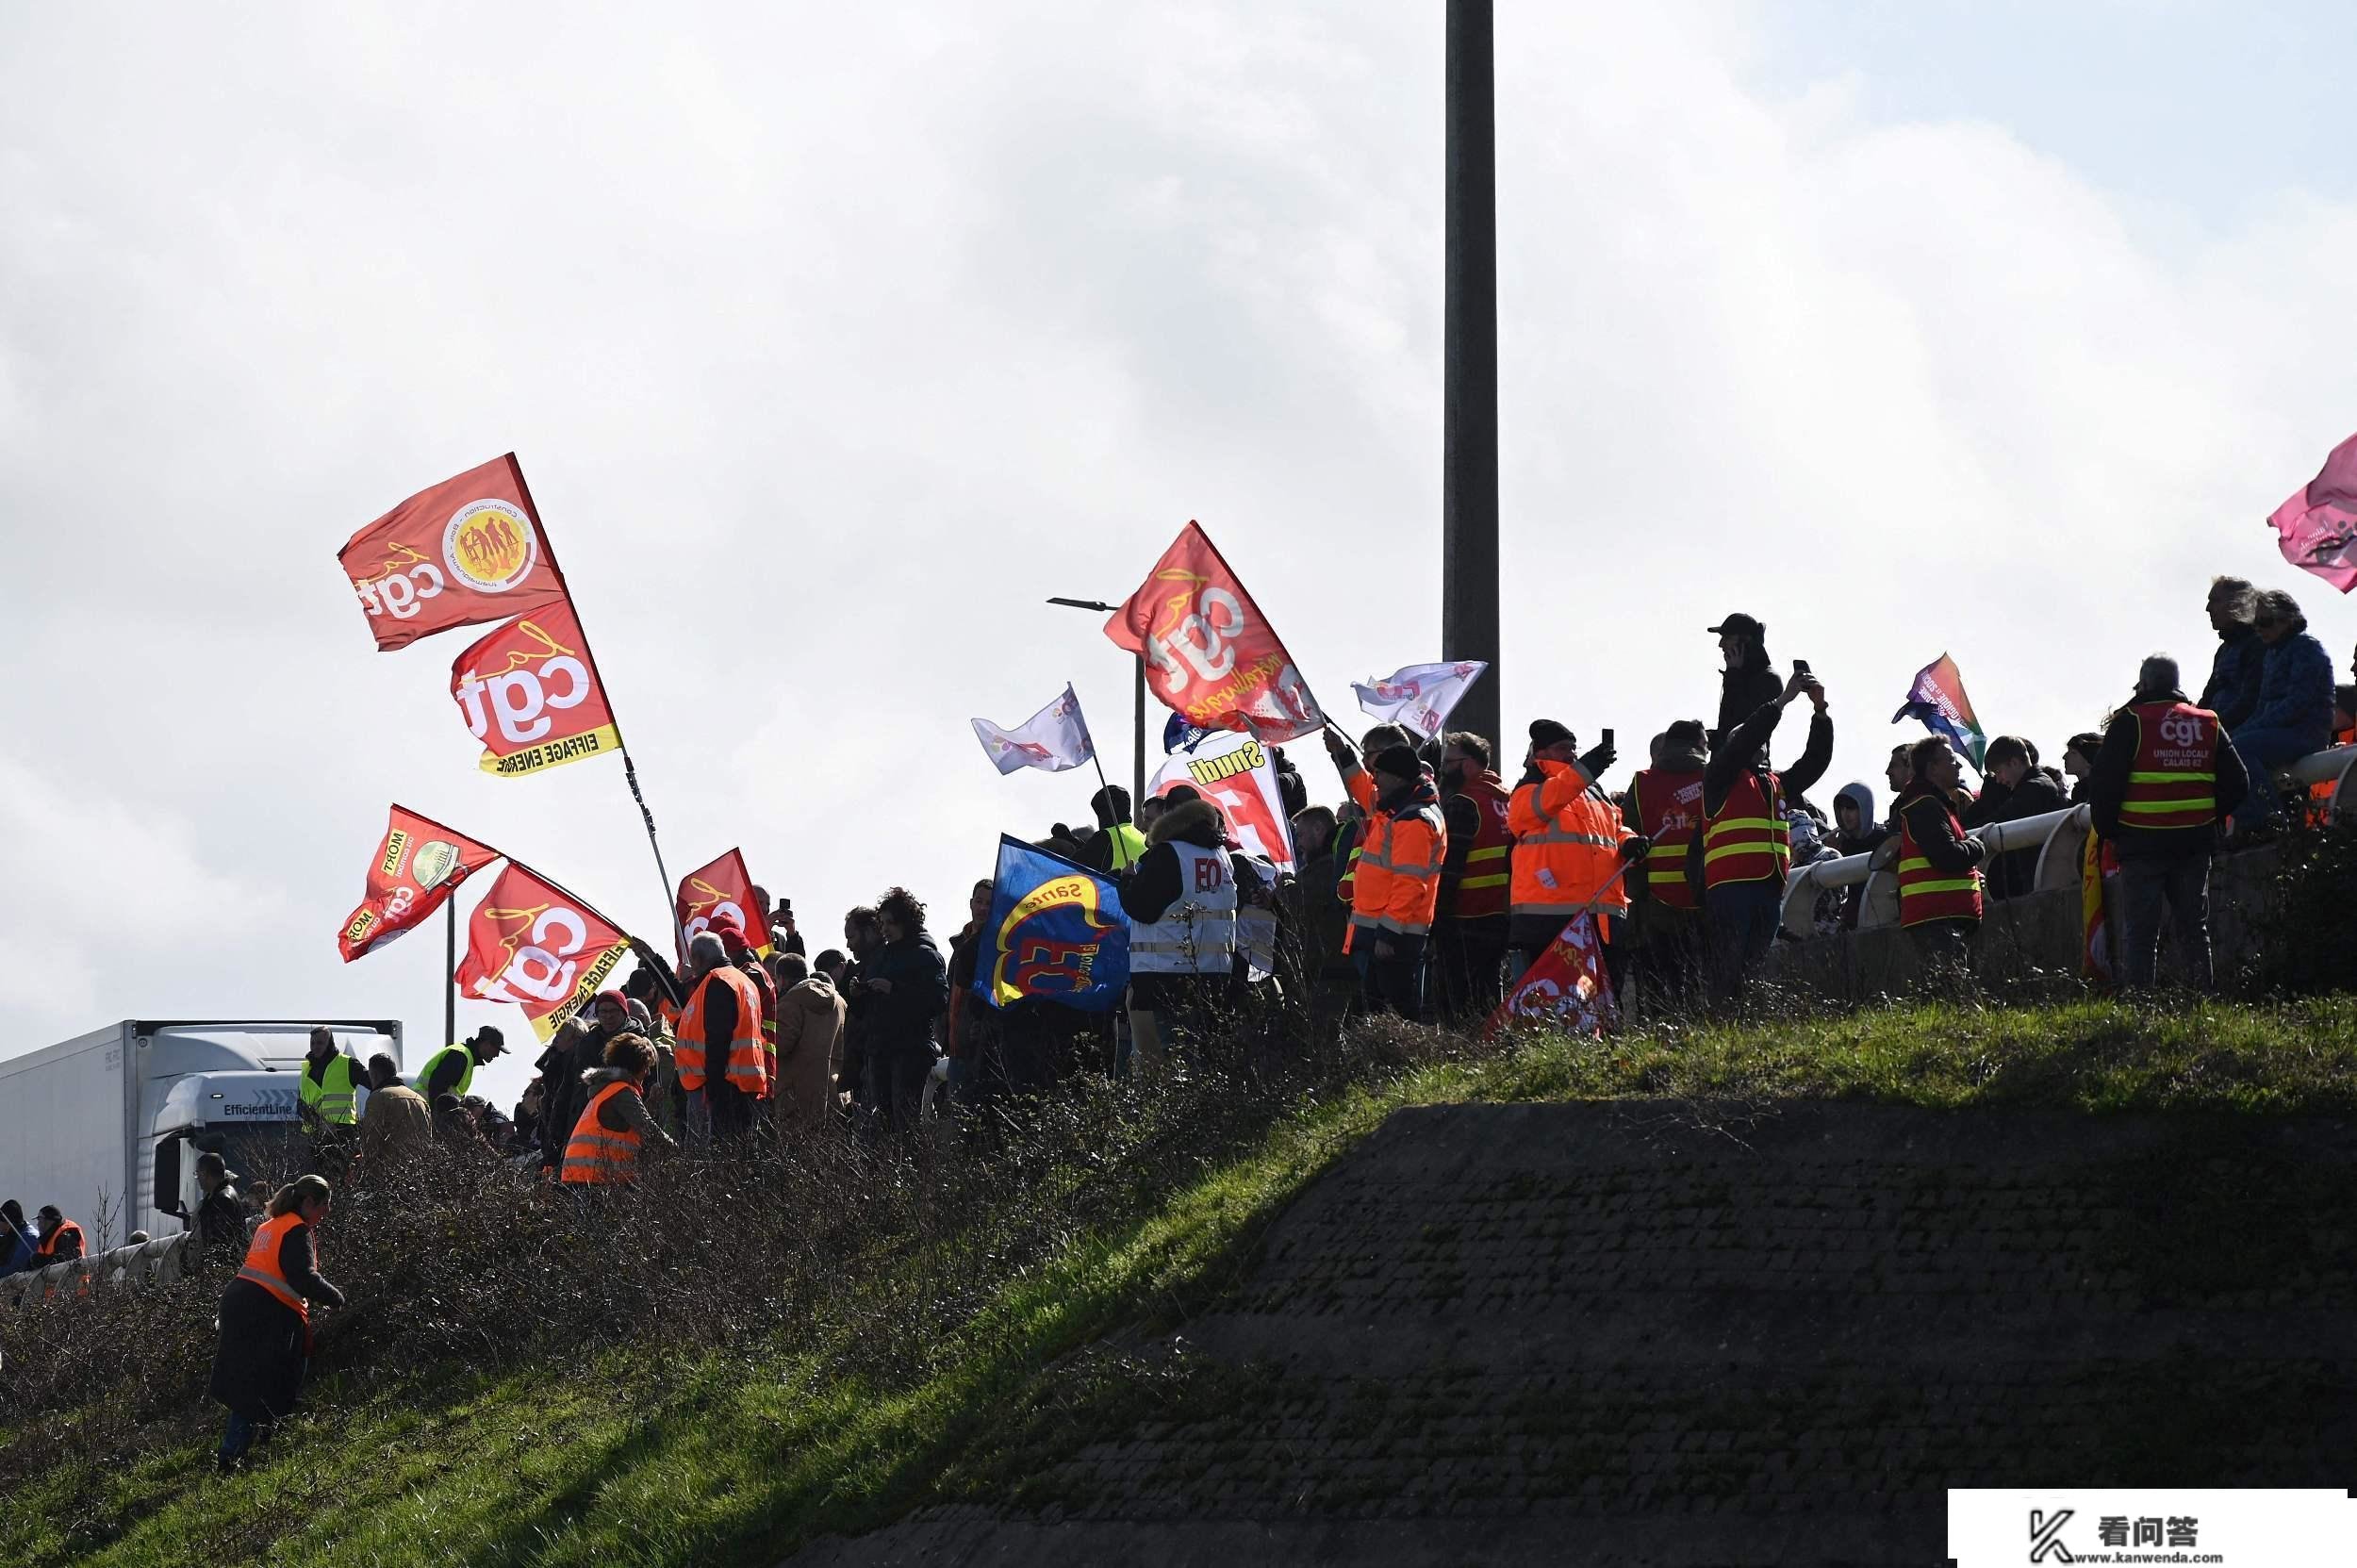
(834,338)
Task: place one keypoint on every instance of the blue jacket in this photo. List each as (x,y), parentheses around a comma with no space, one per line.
(2294,712)
(2232,693)
(16,1247)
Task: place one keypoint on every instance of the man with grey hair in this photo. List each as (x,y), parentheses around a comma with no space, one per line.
(2234,688)
(2294,716)
(2163,781)
(718,1051)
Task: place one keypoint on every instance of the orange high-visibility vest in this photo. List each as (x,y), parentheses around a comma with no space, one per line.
(2173,781)
(1924,892)
(1482,891)
(1748,839)
(1669,810)
(261,1262)
(1567,843)
(596,1154)
(1398,884)
(744,1066)
(46,1253)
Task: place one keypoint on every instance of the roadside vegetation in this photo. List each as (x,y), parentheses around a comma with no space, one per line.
(731,1362)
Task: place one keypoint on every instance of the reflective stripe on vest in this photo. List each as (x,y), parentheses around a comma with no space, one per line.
(1926,894)
(1482,891)
(1669,805)
(433,1062)
(261,1262)
(1746,840)
(1399,889)
(596,1154)
(2172,783)
(1196,935)
(331,1098)
(1569,864)
(745,1067)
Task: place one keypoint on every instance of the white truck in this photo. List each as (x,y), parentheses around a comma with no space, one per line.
(107,1126)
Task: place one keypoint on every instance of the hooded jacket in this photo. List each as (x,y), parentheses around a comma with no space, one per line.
(623,1113)
(2294,712)
(811,1017)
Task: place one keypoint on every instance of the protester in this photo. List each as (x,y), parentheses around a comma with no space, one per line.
(723,1061)
(1318,971)
(811,1018)
(1115,844)
(2294,715)
(1570,847)
(1182,907)
(1293,790)
(1351,826)
(399,1121)
(1665,909)
(1149,812)
(1855,832)
(970,1025)
(1398,882)
(863,933)
(905,987)
(2233,691)
(833,965)
(18,1244)
(455,1129)
(576,1048)
(451,1070)
(1471,926)
(265,1342)
(2079,763)
(614,1125)
(2162,783)
(1939,875)
(221,1212)
(1743,852)
(60,1240)
(778,920)
(2017,789)
(526,1116)
(1747,680)
(326,1091)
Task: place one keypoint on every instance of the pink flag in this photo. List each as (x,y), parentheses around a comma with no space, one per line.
(2316,529)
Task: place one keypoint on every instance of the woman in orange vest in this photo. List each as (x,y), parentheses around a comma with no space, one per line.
(616,1124)
(1397,887)
(1940,867)
(266,1319)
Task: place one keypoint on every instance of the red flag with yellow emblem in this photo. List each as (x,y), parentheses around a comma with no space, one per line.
(530,693)
(418,865)
(532,943)
(1210,653)
(466,550)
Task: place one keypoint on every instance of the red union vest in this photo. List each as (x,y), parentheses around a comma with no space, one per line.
(261,1262)
(2173,782)
(1482,891)
(596,1154)
(1668,809)
(1924,893)
(1747,840)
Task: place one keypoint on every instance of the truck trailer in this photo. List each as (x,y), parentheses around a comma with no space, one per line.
(107,1126)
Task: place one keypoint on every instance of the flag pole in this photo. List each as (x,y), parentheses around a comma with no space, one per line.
(630,769)
(450,971)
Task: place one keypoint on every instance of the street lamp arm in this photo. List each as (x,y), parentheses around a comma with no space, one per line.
(1086,605)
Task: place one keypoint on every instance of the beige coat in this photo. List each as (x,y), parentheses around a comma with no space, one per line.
(810,1049)
(397,1122)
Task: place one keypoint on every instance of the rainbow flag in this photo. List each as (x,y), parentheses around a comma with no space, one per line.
(1937,699)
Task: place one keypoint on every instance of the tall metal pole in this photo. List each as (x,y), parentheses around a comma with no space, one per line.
(450,974)
(1469,405)
(1137,787)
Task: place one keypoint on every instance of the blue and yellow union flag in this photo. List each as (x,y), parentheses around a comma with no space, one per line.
(1057,932)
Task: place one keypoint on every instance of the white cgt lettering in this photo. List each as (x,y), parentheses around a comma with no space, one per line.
(1201,640)
(397,593)
(519,699)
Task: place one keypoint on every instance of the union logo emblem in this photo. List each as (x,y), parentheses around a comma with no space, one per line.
(489,545)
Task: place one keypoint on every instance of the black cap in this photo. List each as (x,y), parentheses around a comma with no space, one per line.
(1400,762)
(1546,732)
(489,1035)
(1741,623)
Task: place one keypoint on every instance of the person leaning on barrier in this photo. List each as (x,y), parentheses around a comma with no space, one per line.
(61,1239)
(2079,763)
(2017,789)
(265,1344)
(2163,782)
(2233,691)
(1940,867)
(2295,713)
(17,1241)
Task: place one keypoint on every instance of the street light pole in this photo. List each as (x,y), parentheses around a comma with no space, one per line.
(1469,359)
(1137,731)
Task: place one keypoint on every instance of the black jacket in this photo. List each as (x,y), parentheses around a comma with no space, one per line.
(2014,873)
(1748,744)
(2233,691)
(902,1018)
(2107,787)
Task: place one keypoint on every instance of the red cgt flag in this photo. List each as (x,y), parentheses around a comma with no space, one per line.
(530,694)
(468,551)
(1567,986)
(532,943)
(1210,653)
(417,866)
(718,894)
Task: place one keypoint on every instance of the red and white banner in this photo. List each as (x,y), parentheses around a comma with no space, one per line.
(465,552)
(419,864)
(532,943)
(1420,695)
(1237,774)
(1210,653)
(1053,739)
(530,694)
(717,895)
(1568,987)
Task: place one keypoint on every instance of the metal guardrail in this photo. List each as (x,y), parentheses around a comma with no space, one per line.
(2059,838)
(152,1263)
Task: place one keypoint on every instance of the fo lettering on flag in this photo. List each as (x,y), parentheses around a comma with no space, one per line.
(529,693)
(1209,655)
(1053,739)
(719,897)
(1936,697)
(1056,932)
(418,865)
(2316,529)
(466,550)
(1420,695)
(1238,776)
(532,943)
(1567,986)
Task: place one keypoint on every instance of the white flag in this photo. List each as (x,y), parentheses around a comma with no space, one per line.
(1237,774)
(1053,739)
(1422,696)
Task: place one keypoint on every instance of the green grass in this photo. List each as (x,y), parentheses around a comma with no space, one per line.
(740,1455)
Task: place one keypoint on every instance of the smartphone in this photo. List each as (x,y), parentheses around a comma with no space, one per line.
(1800,667)
(1607,740)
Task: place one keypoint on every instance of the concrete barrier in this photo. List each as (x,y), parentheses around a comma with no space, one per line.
(152,1262)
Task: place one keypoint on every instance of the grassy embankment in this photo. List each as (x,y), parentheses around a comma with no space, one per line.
(739,1454)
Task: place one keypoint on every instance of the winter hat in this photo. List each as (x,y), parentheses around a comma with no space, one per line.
(1400,762)
(1546,732)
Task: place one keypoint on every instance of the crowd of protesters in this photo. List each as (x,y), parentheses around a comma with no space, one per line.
(1426,892)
